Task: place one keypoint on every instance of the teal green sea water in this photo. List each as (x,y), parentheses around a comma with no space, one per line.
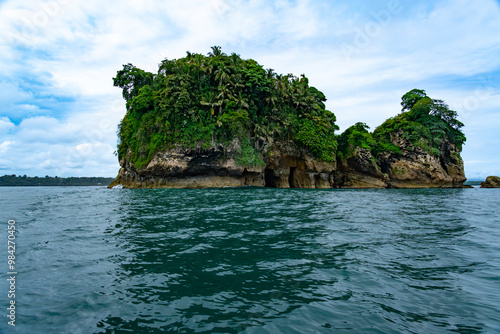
(250,260)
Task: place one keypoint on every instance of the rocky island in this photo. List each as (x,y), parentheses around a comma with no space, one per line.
(491,182)
(223,121)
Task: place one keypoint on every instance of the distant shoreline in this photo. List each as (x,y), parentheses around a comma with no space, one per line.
(473,183)
(48,181)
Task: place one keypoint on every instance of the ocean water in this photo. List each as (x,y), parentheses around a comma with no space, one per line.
(251,260)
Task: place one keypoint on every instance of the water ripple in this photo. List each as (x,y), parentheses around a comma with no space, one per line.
(257,260)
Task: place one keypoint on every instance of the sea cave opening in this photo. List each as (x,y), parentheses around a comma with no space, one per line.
(291,177)
(269,178)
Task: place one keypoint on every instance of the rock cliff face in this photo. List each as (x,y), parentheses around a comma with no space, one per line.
(285,166)
(290,167)
(491,182)
(360,170)
(187,168)
(412,168)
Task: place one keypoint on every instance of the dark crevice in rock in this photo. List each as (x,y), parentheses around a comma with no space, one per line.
(270,179)
(291,177)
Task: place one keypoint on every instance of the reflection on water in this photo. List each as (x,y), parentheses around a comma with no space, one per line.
(260,261)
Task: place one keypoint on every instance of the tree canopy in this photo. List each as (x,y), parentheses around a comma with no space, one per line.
(355,136)
(424,122)
(413,96)
(202,101)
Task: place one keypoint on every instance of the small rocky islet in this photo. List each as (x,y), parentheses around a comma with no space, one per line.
(223,121)
(491,182)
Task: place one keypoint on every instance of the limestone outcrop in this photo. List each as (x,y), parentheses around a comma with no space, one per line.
(285,166)
(359,170)
(491,182)
(416,168)
(412,167)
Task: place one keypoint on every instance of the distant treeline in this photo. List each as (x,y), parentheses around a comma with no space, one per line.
(473,182)
(16,181)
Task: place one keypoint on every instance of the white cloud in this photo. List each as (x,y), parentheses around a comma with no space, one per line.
(83,144)
(5,126)
(4,147)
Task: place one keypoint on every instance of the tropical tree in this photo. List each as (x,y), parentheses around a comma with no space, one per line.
(216,52)
(413,96)
(131,79)
(209,100)
(426,123)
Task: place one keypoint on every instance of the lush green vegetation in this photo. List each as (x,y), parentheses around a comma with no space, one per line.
(203,101)
(355,136)
(16,181)
(424,122)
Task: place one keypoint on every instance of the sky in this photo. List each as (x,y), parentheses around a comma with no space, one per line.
(59,111)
